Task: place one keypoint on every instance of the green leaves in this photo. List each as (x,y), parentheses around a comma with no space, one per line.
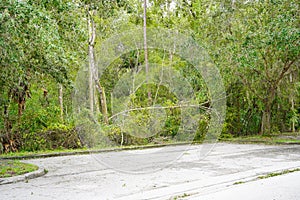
(255,44)
(37,38)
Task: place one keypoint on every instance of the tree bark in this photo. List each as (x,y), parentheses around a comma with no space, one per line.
(266,115)
(92,34)
(93,74)
(146,51)
(266,120)
(292,105)
(293,121)
(103,104)
(61,105)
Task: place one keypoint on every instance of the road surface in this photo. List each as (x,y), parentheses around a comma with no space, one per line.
(176,172)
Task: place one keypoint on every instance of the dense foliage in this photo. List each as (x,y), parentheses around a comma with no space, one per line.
(254,44)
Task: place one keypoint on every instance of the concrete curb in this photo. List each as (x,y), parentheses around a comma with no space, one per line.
(42,171)
(82,152)
(24,177)
(259,142)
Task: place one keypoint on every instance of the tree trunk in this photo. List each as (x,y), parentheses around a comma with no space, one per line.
(266,116)
(92,34)
(96,102)
(293,121)
(239,118)
(146,51)
(103,104)
(93,74)
(266,120)
(20,110)
(292,105)
(61,105)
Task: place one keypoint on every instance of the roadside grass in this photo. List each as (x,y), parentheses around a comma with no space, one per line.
(238,182)
(275,138)
(278,173)
(58,152)
(9,168)
(184,195)
(29,153)
(268,175)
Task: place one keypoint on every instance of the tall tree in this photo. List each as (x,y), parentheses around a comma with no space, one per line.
(94,82)
(266,46)
(256,41)
(31,44)
(146,48)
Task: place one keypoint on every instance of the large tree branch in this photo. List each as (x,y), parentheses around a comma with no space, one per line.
(162,107)
(284,70)
(266,64)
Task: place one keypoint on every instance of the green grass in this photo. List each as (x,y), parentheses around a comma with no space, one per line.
(29,153)
(278,173)
(10,168)
(181,196)
(47,152)
(269,175)
(239,182)
(279,138)
(275,138)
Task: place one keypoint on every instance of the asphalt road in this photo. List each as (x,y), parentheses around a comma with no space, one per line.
(176,172)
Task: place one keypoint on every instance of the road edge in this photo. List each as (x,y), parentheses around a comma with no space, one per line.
(41,171)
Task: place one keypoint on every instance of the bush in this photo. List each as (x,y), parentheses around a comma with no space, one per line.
(55,136)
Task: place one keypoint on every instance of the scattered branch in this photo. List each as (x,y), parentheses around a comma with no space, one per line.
(161,107)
